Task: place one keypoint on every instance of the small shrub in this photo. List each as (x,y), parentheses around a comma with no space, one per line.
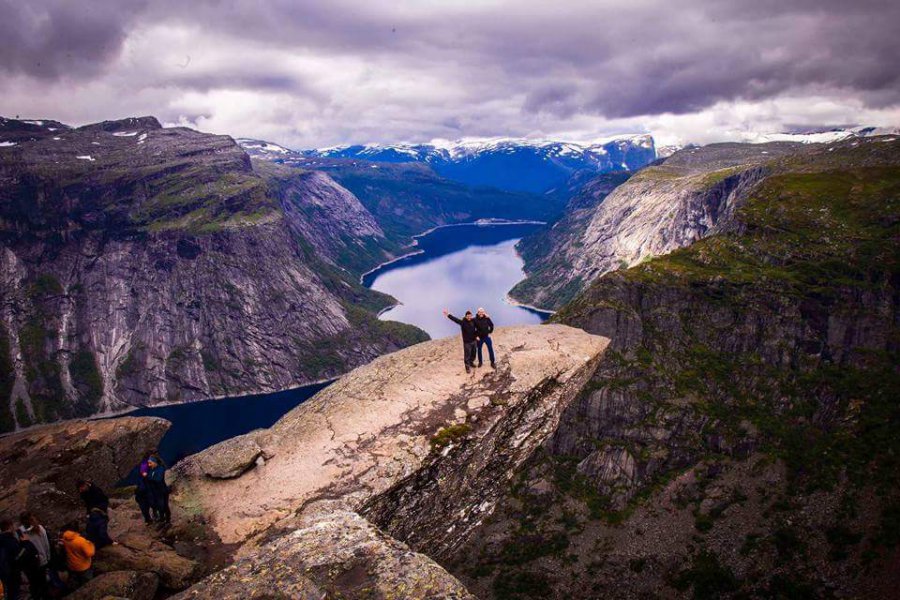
(449,435)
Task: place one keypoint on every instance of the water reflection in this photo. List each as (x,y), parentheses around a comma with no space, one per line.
(460,268)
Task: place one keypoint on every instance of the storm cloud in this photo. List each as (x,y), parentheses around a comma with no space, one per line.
(320,73)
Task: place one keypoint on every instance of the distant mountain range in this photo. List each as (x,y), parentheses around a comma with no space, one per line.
(508,164)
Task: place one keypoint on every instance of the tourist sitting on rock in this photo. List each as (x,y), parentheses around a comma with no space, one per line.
(159,490)
(79,553)
(92,496)
(485,327)
(10,571)
(469,337)
(30,564)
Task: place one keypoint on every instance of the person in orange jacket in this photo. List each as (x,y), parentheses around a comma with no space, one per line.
(79,553)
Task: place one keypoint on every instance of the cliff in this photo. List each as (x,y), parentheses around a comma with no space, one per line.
(665,206)
(738,437)
(412,426)
(132,272)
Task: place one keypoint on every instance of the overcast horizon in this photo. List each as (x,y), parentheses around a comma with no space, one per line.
(313,74)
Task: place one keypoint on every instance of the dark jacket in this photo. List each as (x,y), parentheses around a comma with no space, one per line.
(9,555)
(93,497)
(484,326)
(467,326)
(29,559)
(156,480)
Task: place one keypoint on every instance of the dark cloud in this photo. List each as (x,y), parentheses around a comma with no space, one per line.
(497,64)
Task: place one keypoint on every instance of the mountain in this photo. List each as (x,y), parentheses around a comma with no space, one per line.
(408,198)
(131,271)
(509,164)
(665,206)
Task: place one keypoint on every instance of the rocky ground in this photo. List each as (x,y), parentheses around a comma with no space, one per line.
(39,469)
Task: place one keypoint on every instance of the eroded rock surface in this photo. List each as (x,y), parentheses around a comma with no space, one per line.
(332,555)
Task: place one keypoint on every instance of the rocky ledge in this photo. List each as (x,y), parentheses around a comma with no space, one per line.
(298,488)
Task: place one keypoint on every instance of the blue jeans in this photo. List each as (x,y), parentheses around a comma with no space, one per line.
(490,345)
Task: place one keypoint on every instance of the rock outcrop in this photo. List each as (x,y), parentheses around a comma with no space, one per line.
(143,264)
(380,424)
(337,554)
(39,467)
(133,585)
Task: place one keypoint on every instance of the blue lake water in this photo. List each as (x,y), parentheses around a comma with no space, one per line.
(460,267)
(199,425)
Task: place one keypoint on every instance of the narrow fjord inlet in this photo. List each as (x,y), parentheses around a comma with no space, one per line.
(462,267)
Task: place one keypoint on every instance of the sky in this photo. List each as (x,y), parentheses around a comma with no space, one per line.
(314,74)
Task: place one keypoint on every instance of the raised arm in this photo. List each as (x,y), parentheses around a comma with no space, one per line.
(451,317)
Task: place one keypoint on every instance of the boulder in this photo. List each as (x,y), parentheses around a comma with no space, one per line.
(232,458)
(145,554)
(331,555)
(39,466)
(119,584)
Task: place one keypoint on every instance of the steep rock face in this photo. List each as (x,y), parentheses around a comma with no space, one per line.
(336,554)
(550,282)
(662,208)
(371,429)
(738,436)
(132,272)
(39,467)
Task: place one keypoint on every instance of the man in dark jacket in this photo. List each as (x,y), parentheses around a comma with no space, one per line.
(97,505)
(92,496)
(485,327)
(469,336)
(10,571)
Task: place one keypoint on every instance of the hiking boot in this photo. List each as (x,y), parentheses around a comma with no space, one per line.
(493,365)
(468,369)
(480,365)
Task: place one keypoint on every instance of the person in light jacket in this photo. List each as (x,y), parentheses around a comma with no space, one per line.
(485,327)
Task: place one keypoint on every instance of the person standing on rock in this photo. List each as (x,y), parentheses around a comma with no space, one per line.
(34,532)
(30,564)
(96,503)
(469,337)
(10,572)
(159,490)
(79,553)
(485,327)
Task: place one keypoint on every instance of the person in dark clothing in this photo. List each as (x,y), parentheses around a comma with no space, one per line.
(142,497)
(92,496)
(485,327)
(96,503)
(97,528)
(159,490)
(10,571)
(30,565)
(469,336)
